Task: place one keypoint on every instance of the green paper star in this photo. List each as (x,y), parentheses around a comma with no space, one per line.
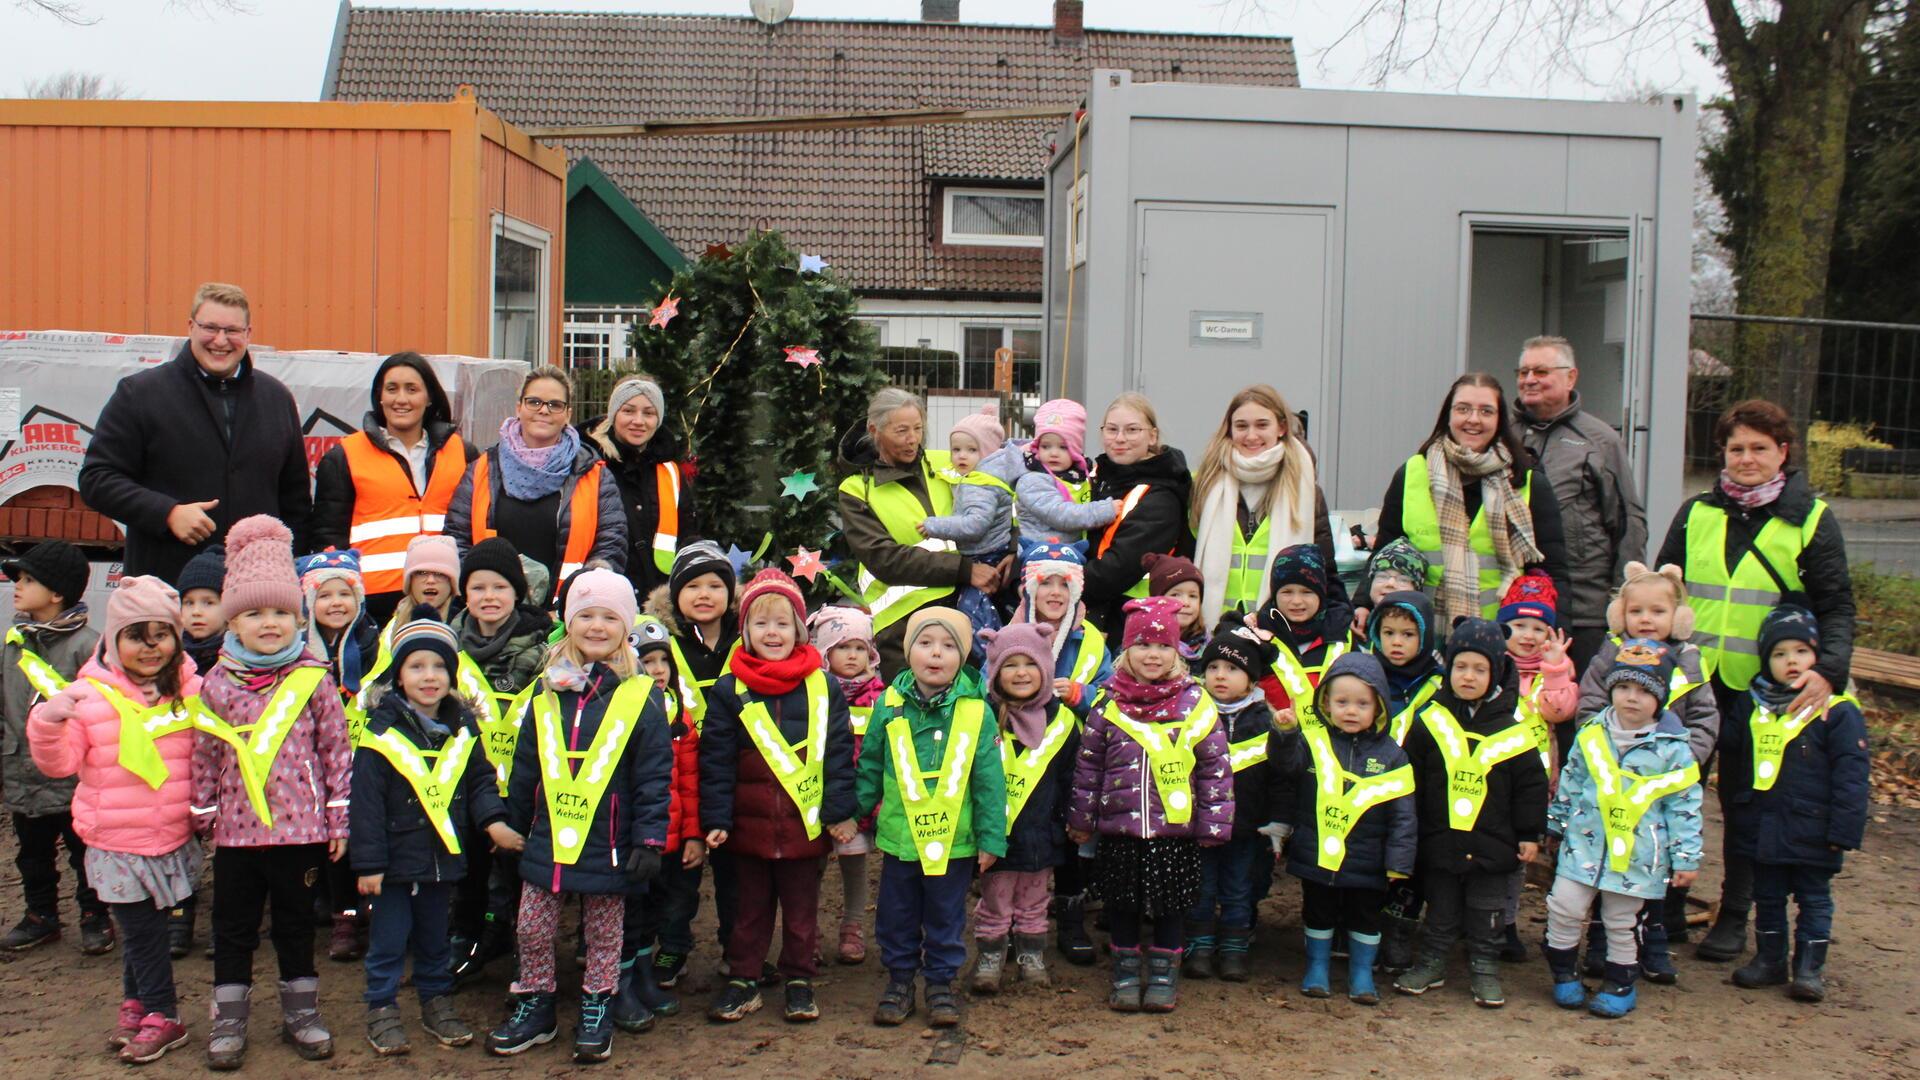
(799,485)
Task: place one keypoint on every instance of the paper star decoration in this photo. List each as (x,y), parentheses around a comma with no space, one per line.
(812,264)
(804,355)
(664,314)
(798,486)
(740,560)
(806,564)
(718,251)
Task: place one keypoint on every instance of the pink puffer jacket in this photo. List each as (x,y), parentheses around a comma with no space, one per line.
(113,809)
(308,785)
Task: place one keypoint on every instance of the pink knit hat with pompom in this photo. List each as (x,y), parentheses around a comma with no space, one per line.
(260,567)
(985,428)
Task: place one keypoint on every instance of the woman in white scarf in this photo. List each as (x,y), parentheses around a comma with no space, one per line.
(1256,472)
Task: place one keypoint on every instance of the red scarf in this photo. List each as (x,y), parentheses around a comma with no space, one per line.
(773,678)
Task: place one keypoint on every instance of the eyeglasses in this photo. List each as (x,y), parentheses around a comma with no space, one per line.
(1540,372)
(1131,431)
(213,331)
(1484,412)
(542,405)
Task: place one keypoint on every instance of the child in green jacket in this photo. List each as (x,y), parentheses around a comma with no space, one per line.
(932,768)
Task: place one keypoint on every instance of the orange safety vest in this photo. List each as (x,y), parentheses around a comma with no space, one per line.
(584,515)
(388,512)
(1106,539)
(666,534)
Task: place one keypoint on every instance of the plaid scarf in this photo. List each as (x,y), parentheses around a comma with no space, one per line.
(1509,521)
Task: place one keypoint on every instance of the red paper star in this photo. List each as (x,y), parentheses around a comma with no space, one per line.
(664,314)
(718,251)
(806,564)
(804,355)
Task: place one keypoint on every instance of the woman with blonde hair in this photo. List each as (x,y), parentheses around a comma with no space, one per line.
(1256,494)
(1152,486)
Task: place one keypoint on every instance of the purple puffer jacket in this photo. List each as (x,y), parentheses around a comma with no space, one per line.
(307,789)
(1113,796)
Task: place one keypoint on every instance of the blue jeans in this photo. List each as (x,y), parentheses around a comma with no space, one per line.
(1812,886)
(1226,881)
(403,914)
(921,921)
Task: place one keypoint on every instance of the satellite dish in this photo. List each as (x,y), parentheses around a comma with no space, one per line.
(772,12)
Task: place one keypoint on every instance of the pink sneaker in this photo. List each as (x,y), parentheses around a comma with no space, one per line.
(128,1026)
(157,1036)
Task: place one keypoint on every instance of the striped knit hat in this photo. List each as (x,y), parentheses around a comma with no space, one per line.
(424,631)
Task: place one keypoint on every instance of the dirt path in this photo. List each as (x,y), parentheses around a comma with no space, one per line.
(56,1006)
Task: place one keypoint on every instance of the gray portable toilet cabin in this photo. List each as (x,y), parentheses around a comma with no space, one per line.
(1359,250)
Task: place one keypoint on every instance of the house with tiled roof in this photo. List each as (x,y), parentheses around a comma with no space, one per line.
(937,227)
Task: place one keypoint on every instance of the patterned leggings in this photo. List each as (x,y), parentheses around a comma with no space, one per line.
(540,924)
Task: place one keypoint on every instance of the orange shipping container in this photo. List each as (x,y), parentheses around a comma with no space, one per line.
(360,227)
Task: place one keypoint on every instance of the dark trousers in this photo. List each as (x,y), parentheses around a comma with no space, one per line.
(1227,881)
(406,914)
(1810,886)
(1124,925)
(1450,897)
(726,894)
(920,920)
(472,895)
(503,888)
(39,863)
(246,882)
(1323,907)
(146,967)
(664,915)
(343,887)
(790,888)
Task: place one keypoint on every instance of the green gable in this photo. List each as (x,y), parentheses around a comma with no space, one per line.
(614,254)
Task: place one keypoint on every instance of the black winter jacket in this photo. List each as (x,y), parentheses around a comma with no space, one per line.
(1549,532)
(333,495)
(162,440)
(1514,810)
(1158,523)
(636,472)
(1819,803)
(1037,839)
(632,810)
(1387,837)
(739,793)
(1253,786)
(1824,574)
(388,830)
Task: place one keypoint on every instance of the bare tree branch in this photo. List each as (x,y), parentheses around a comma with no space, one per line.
(77,13)
(77,86)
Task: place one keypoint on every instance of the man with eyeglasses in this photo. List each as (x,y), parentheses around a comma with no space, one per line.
(1586,462)
(184,450)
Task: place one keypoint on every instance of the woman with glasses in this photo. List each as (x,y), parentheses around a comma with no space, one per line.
(1151,483)
(1472,503)
(393,479)
(548,494)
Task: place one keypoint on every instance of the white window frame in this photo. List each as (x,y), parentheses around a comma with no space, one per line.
(542,242)
(948,236)
(1006,331)
(1077,223)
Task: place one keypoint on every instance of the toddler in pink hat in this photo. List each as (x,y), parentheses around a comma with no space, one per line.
(1052,492)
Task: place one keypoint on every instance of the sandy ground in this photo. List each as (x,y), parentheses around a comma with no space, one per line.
(56,1007)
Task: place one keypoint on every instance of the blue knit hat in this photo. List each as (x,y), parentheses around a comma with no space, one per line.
(1787,622)
(207,570)
(1644,662)
(1299,564)
(1481,636)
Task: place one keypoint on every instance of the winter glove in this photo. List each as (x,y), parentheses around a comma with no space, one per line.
(1276,832)
(643,865)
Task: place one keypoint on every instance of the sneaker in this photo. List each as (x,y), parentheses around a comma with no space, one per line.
(942,1010)
(30,932)
(800,1004)
(593,1035)
(157,1035)
(343,944)
(667,968)
(439,1020)
(896,1003)
(96,933)
(737,1000)
(533,1022)
(386,1032)
(128,1024)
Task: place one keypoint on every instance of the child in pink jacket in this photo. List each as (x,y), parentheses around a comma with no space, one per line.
(1549,697)
(130,805)
(271,776)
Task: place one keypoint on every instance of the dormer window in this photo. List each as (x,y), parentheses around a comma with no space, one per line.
(993,217)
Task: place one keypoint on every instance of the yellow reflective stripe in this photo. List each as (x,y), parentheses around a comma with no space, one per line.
(573,798)
(933,814)
(1467,766)
(803,779)
(256,750)
(1024,769)
(1093,649)
(45,680)
(1339,807)
(435,785)
(1403,720)
(1169,751)
(1773,733)
(1624,796)
(140,725)
(1247,752)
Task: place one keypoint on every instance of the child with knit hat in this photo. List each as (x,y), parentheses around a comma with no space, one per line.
(776,789)
(983,471)
(1628,815)
(1308,620)
(1039,737)
(590,789)
(1537,648)
(1053,495)
(419,762)
(844,638)
(1153,779)
(1402,636)
(1482,801)
(1232,874)
(270,784)
(130,805)
(46,643)
(203,627)
(1397,566)
(1178,577)
(432,567)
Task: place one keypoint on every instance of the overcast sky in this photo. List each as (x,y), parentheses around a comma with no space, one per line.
(181,50)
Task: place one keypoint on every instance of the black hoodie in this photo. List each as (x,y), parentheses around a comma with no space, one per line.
(1157,523)
(1515,808)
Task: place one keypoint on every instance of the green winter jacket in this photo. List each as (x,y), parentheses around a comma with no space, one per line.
(983,820)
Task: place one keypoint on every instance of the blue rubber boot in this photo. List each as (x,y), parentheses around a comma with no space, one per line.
(1361,951)
(1568,991)
(1616,996)
(1318,981)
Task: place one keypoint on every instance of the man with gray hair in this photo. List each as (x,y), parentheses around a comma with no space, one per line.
(1586,462)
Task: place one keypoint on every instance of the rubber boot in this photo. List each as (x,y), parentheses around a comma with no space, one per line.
(1568,991)
(1396,944)
(1232,957)
(990,964)
(1030,959)
(1483,958)
(1595,965)
(1318,980)
(1362,951)
(300,1021)
(1656,958)
(647,984)
(630,1012)
(1512,949)
(1074,943)
(1616,996)
(1127,990)
(1809,964)
(1198,963)
(227,1038)
(1673,916)
(1163,980)
(1429,970)
(1727,938)
(1769,964)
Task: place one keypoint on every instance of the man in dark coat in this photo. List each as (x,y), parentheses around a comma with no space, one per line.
(184,450)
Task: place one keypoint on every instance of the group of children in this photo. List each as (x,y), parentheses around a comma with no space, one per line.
(460,777)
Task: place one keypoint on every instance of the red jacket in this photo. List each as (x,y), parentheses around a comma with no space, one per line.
(683,808)
(739,793)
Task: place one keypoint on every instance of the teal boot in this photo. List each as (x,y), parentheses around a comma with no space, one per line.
(1361,951)
(1318,981)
